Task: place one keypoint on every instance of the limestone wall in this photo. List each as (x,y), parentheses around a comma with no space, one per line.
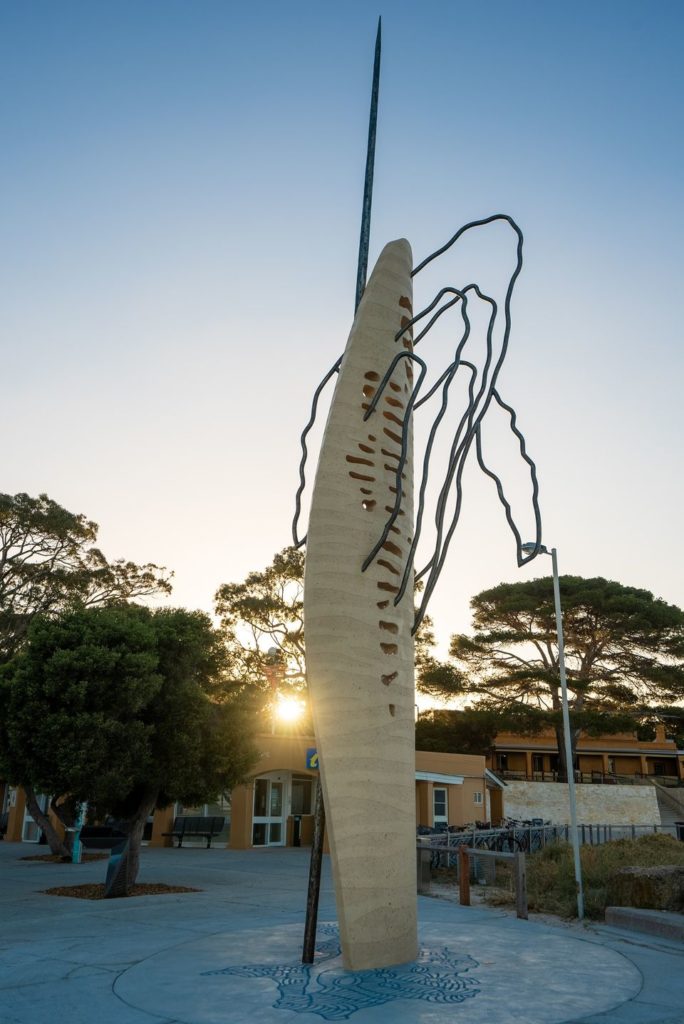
(599,805)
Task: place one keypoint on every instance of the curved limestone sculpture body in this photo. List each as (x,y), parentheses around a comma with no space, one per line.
(359,648)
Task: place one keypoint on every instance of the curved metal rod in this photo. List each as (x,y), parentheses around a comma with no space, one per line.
(457,459)
(522,560)
(406,426)
(468,430)
(424,312)
(426,467)
(447,377)
(461,231)
(438,563)
(302,477)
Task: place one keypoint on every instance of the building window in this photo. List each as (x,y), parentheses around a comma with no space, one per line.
(440,814)
(477,798)
(537,762)
(502,762)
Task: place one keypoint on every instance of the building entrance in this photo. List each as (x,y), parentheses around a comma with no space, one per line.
(270,801)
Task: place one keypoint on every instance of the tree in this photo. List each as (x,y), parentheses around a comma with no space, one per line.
(472,730)
(126,708)
(265,613)
(624,652)
(49,562)
(262,620)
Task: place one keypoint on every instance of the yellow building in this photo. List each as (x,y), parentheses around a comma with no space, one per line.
(616,758)
(275,806)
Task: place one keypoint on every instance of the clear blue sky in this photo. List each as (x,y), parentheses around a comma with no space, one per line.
(181,188)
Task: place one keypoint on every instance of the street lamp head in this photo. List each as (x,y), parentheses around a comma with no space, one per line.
(539,549)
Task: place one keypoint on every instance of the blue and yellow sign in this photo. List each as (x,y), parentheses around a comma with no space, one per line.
(312,758)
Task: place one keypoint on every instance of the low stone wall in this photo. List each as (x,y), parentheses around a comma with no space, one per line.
(599,805)
(654,888)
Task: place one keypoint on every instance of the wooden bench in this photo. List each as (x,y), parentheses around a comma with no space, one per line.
(205,828)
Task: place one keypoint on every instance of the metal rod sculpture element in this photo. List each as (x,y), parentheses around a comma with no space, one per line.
(362,265)
(314,889)
(361,272)
(362,269)
(468,435)
(359,647)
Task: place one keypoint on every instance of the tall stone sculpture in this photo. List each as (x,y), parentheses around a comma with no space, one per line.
(359,645)
(359,580)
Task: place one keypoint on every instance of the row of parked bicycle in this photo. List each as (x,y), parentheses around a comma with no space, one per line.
(511,836)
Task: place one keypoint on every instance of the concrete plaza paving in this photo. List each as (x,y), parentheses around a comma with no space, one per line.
(231,954)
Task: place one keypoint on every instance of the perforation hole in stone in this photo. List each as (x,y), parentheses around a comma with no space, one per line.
(368,390)
(364,490)
(388,508)
(394,549)
(395,386)
(393,469)
(388,565)
(389,678)
(372,437)
(388,586)
(394,418)
(392,436)
(389,648)
(394,401)
(367,448)
(361,476)
(406,303)
(368,504)
(382,604)
(391,627)
(392,709)
(359,461)
(372,375)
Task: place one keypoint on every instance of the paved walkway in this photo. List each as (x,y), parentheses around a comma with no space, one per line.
(231,954)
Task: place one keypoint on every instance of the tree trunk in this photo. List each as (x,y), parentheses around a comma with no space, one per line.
(560,742)
(136,828)
(57,845)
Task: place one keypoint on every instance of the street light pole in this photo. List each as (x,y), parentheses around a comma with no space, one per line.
(569,768)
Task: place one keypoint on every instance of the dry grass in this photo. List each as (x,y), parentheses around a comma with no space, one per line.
(551,876)
(96,892)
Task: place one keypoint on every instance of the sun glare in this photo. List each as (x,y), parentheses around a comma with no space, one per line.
(289,709)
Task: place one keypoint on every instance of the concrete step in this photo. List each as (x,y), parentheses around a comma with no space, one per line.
(655,922)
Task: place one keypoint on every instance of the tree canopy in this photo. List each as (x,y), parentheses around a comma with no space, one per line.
(262,620)
(126,708)
(49,562)
(624,653)
(264,613)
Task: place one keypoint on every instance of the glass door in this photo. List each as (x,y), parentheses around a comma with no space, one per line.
(268,821)
(440,812)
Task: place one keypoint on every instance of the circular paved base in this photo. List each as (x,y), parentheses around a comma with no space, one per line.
(476,974)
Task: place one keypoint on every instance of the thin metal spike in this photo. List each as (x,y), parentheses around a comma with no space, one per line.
(368,182)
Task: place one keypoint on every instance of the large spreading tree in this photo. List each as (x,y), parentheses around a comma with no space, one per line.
(49,562)
(624,654)
(127,709)
(262,620)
